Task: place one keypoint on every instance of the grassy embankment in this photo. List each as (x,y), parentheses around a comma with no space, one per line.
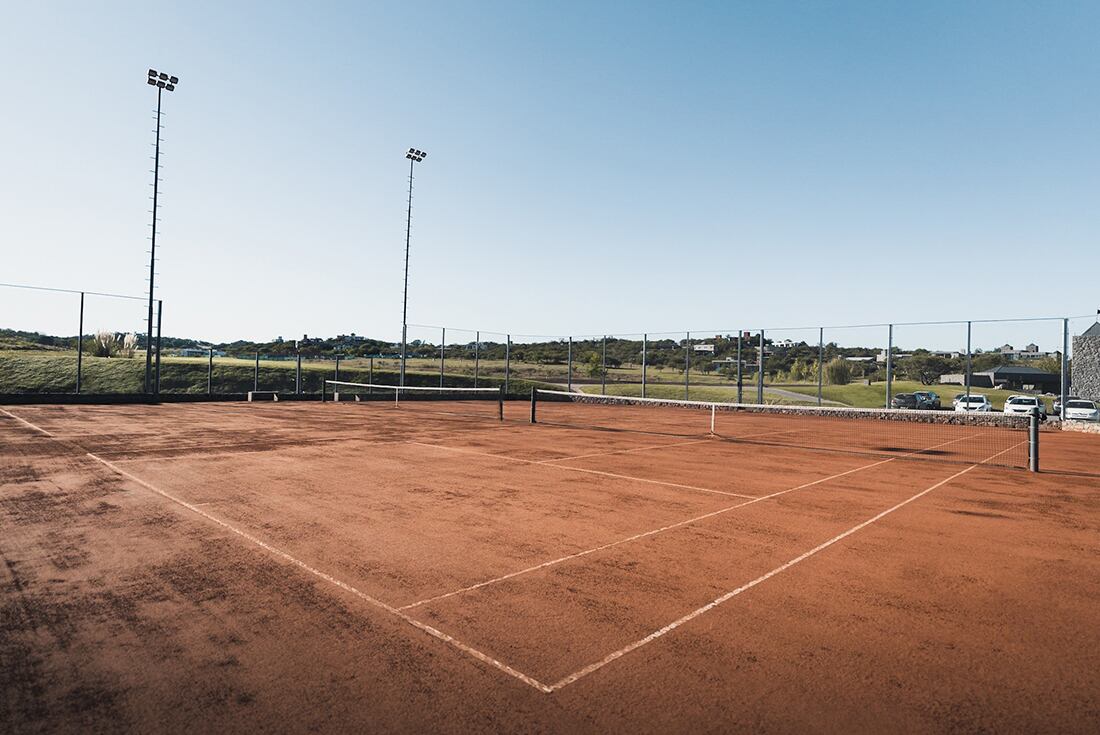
(23,371)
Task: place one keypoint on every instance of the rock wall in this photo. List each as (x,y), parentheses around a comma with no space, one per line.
(1085,368)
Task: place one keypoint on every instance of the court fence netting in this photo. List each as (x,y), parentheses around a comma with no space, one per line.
(473,402)
(1005,440)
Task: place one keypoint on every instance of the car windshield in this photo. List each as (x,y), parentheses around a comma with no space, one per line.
(1021,401)
(1081,404)
(974,399)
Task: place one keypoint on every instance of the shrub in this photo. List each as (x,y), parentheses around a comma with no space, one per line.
(105,344)
(838,371)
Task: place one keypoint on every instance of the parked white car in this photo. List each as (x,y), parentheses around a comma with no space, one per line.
(976,402)
(1078,409)
(1025,405)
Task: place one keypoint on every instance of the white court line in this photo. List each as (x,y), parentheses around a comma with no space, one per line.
(645,534)
(664,446)
(434,632)
(582,469)
(624,451)
(23,421)
(636,536)
(566,681)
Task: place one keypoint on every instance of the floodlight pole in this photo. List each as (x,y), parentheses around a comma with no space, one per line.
(162,82)
(413,155)
(153,251)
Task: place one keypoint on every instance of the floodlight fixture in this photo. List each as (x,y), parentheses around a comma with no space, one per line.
(416,155)
(160,80)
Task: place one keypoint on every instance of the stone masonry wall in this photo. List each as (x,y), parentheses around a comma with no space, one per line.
(1085,368)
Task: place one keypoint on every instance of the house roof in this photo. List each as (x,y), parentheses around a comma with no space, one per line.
(1093,331)
(1008,371)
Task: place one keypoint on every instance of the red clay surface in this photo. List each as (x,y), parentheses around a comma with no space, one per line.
(342,567)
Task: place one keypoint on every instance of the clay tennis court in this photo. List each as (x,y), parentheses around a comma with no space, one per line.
(363,566)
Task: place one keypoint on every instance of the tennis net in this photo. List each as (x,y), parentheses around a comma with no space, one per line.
(478,402)
(986,438)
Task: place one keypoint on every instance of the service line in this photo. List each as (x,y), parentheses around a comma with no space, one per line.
(567,468)
(566,681)
(645,534)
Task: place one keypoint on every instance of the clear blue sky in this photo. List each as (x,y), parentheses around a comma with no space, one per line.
(592,167)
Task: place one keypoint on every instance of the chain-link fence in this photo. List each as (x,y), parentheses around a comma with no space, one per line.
(55,341)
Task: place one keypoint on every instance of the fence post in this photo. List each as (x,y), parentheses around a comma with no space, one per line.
(1065,370)
(820,361)
(337,375)
(760,371)
(210,371)
(160,311)
(370,376)
(889,363)
(569,367)
(740,336)
(256,374)
(603,368)
(967,376)
(298,374)
(80,346)
(507,360)
(645,345)
(477,355)
(442,354)
(687,367)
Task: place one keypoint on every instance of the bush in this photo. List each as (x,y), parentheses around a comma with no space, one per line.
(105,344)
(838,371)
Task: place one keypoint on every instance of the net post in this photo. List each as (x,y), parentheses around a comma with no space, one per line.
(370,376)
(645,343)
(80,345)
(210,371)
(507,360)
(500,403)
(534,401)
(324,386)
(712,411)
(442,353)
(1033,441)
(256,374)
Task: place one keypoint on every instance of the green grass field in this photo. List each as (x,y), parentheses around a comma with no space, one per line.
(714,393)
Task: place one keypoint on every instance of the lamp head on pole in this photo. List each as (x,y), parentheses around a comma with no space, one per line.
(162,80)
(416,155)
